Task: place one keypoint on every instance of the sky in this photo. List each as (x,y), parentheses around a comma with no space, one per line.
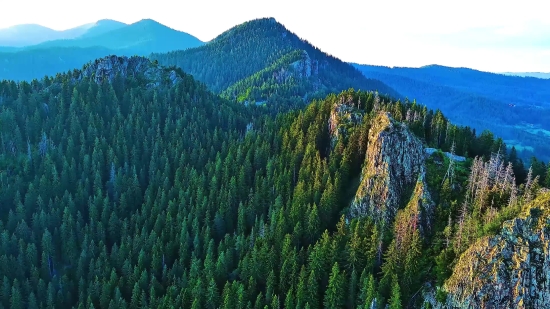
(488,35)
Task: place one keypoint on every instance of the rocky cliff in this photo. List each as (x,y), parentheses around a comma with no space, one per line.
(107,68)
(509,270)
(394,160)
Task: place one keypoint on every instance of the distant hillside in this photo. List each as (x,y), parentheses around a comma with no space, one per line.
(8,49)
(31,64)
(20,36)
(529,74)
(142,38)
(247,63)
(28,34)
(101,27)
(105,37)
(515,108)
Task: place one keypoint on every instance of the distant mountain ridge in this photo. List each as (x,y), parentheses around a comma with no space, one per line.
(513,107)
(88,42)
(21,36)
(27,34)
(529,74)
(142,37)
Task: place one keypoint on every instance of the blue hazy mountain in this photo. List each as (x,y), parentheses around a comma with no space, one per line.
(28,34)
(91,41)
(97,28)
(143,37)
(529,74)
(31,64)
(516,108)
(21,36)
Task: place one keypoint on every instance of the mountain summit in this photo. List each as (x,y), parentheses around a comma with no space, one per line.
(261,59)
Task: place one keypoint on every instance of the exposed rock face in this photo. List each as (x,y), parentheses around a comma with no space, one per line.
(108,67)
(421,207)
(509,270)
(306,66)
(394,160)
(343,116)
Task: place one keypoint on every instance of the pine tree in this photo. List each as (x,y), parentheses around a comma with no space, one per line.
(212,296)
(395,299)
(334,295)
(16,299)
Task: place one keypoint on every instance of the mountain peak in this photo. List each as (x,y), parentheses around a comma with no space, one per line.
(148,21)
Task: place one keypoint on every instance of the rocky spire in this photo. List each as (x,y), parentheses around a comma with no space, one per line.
(394,160)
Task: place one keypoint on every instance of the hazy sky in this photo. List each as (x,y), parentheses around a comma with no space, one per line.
(483,34)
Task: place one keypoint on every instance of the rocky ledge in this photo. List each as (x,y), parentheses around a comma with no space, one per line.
(107,68)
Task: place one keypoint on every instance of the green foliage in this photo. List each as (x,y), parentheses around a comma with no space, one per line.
(262,61)
(119,195)
(395,299)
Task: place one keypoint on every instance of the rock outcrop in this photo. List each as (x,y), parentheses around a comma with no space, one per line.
(420,208)
(343,116)
(509,270)
(305,67)
(394,160)
(107,68)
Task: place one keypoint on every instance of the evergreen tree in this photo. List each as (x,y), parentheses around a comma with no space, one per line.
(395,299)
(334,295)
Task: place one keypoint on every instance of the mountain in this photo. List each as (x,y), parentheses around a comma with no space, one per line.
(35,64)
(99,27)
(529,74)
(28,34)
(143,37)
(21,36)
(105,37)
(126,183)
(514,108)
(9,49)
(259,60)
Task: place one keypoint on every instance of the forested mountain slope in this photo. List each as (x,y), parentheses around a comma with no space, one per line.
(130,185)
(258,57)
(515,108)
(258,62)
